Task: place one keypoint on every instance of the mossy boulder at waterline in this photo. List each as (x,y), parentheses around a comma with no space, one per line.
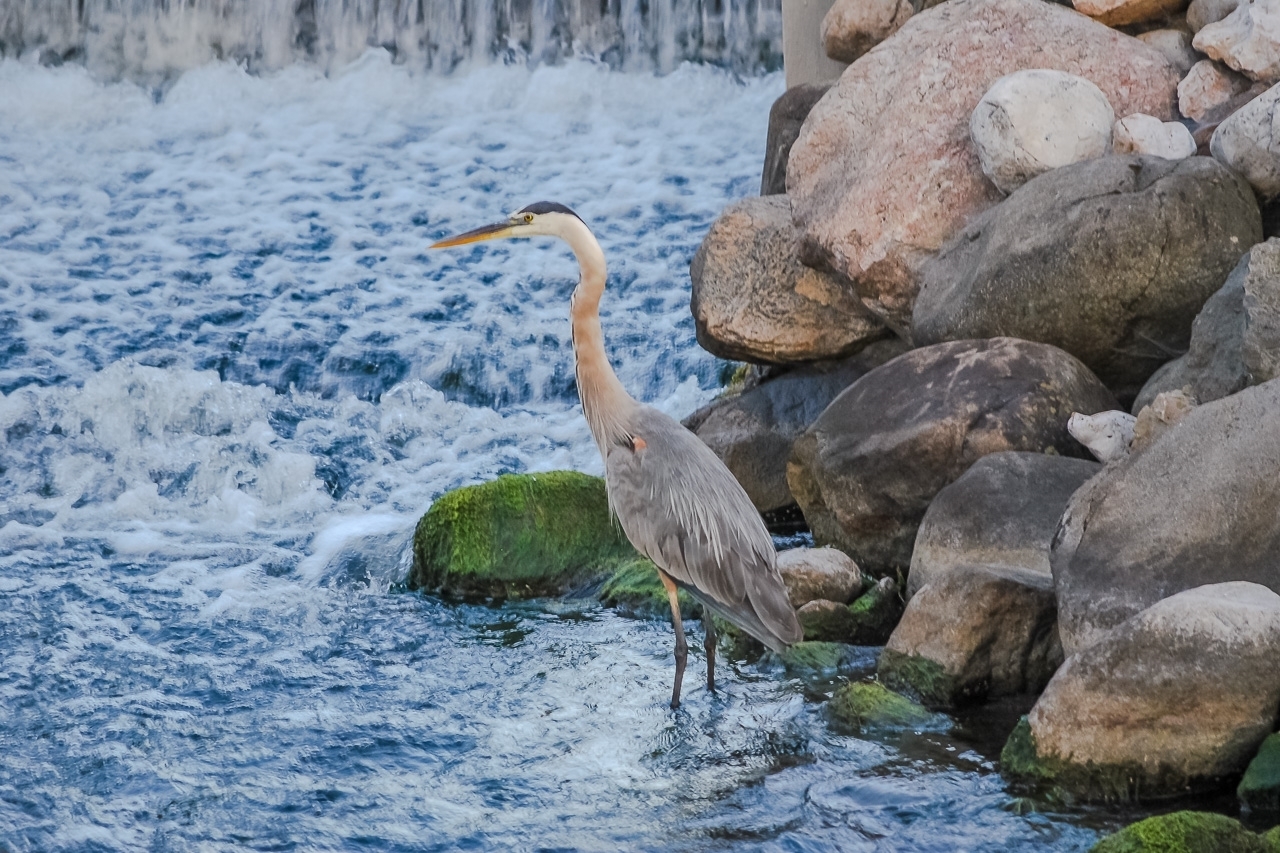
(869,705)
(634,589)
(1185,832)
(876,613)
(1259,790)
(519,536)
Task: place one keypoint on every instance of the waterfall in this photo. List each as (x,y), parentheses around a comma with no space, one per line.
(157,39)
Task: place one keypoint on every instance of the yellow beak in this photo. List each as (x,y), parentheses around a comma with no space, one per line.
(485,232)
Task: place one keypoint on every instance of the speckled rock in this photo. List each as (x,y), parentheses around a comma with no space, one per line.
(1110,260)
(1244,142)
(1248,40)
(1206,501)
(1201,13)
(1173,700)
(813,574)
(884,171)
(1208,88)
(1106,434)
(865,471)
(1140,134)
(976,632)
(1175,45)
(754,301)
(1002,512)
(752,432)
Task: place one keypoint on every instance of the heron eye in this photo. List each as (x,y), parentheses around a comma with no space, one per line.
(528,217)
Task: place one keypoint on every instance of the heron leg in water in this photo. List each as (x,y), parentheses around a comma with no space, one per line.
(710,645)
(682,648)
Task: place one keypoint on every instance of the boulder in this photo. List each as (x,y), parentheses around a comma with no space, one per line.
(875,614)
(1245,143)
(1140,134)
(1002,512)
(519,536)
(1248,40)
(865,471)
(754,301)
(1207,89)
(814,574)
(975,632)
(1119,13)
(1174,700)
(884,171)
(1110,260)
(1035,120)
(818,656)
(785,118)
(1184,832)
(1260,346)
(752,432)
(1200,506)
(1201,13)
(852,27)
(867,705)
(1174,45)
(1259,788)
(1106,434)
(826,620)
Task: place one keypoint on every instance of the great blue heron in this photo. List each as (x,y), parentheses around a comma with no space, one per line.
(676,501)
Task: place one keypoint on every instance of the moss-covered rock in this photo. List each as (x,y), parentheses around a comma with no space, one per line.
(634,589)
(824,620)
(917,676)
(519,536)
(869,705)
(1183,832)
(810,655)
(1259,790)
(1272,839)
(875,614)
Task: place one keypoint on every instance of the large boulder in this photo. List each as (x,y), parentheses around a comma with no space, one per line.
(1199,506)
(1173,700)
(1248,40)
(884,171)
(754,301)
(1244,142)
(976,632)
(865,471)
(1110,260)
(1235,339)
(519,536)
(1002,512)
(785,119)
(1032,121)
(752,433)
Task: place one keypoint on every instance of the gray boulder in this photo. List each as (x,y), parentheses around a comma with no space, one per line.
(754,301)
(866,470)
(819,574)
(1173,700)
(785,118)
(752,433)
(1199,506)
(975,632)
(1109,259)
(1002,512)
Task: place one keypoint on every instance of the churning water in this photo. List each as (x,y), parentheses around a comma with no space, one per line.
(232,381)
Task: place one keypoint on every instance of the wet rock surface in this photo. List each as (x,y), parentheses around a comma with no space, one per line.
(865,472)
(814,574)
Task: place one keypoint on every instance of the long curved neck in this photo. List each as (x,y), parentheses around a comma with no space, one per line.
(605,402)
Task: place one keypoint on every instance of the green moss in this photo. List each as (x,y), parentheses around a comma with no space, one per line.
(635,589)
(1271,839)
(520,535)
(831,625)
(865,705)
(1259,790)
(1183,832)
(815,655)
(875,615)
(918,676)
(1018,759)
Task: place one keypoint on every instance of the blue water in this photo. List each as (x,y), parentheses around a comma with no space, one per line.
(233,379)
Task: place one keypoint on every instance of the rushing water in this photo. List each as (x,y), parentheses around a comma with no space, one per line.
(233,379)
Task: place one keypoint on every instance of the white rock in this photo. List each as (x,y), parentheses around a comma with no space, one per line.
(1175,45)
(1143,134)
(1248,40)
(1032,121)
(1207,86)
(1201,13)
(1106,434)
(1246,142)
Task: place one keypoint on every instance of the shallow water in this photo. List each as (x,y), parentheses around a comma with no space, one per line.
(234,379)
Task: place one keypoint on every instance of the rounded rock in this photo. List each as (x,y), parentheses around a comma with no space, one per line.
(1143,134)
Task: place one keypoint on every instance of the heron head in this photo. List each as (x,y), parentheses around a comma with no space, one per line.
(540,219)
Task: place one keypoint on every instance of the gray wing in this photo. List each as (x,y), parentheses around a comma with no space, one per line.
(680,506)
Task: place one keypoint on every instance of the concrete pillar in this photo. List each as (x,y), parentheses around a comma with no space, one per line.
(803,59)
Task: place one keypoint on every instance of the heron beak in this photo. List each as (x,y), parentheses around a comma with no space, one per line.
(485,232)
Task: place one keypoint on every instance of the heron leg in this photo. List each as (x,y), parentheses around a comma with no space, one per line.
(710,645)
(682,648)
